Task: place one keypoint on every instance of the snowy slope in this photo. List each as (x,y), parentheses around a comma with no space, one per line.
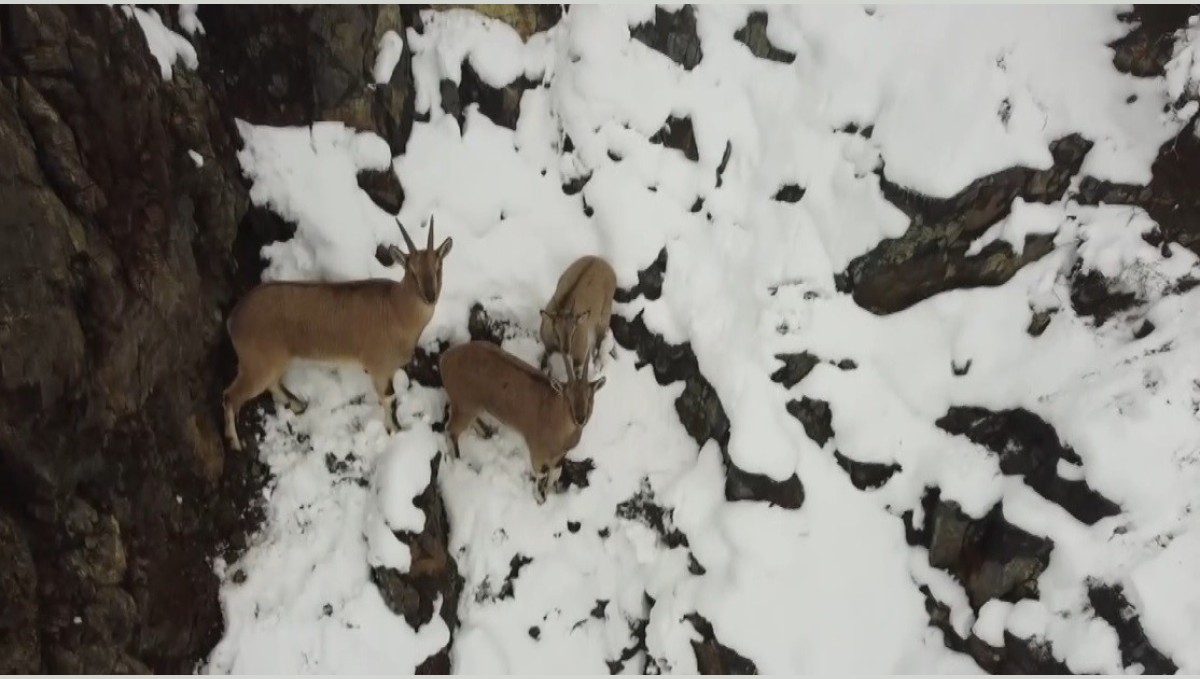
(748,277)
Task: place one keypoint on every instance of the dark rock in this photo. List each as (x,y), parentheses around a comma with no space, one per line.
(116,270)
(673,34)
(1018,656)
(1029,447)
(501,105)
(742,485)
(643,508)
(575,473)
(424,368)
(482,326)
(677,133)
(1170,198)
(20,646)
(960,369)
(1038,322)
(754,36)
(713,657)
(637,630)
(535,633)
(816,417)
(1145,50)
(701,412)
(847,364)
(1110,605)
(789,193)
(720,172)
(576,184)
(650,281)
(992,558)
(384,189)
(1094,295)
(1143,330)
(433,572)
(931,256)
(866,475)
(292,65)
(598,611)
(573,526)
(795,368)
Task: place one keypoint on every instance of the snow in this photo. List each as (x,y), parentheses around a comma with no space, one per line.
(196,158)
(747,278)
(188,20)
(391,47)
(166,45)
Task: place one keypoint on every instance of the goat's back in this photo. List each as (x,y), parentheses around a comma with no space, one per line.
(314,319)
(481,375)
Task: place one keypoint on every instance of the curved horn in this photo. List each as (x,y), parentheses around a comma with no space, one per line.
(408,241)
(429,245)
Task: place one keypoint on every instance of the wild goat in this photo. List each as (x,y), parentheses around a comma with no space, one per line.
(575,320)
(480,377)
(374,323)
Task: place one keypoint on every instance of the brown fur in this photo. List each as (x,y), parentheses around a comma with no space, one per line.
(582,306)
(480,377)
(374,323)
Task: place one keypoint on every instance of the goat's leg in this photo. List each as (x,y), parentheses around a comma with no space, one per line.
(284,395)
(461,419)
(253,378)
(381,377)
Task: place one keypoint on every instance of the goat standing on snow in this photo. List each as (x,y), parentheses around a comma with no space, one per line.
(374,323)
(480,377)
(575,320)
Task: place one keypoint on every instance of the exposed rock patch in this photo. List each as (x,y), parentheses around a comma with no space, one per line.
(992,558)
(1017,656)
(673,34)
(432,574)
(931,256)
(713,657)
(700,411)
(816,417)
(501,105)
(383,188)
(866,475)
(754,36)
(1029,447)
(1110,605)
(678,134)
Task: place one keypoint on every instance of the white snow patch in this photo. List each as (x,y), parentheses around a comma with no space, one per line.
(166,45)
(188,20)
(391,48)
(196,158)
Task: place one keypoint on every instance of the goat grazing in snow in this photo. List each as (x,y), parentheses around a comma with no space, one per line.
(480,377)
(575,320)
(374,323)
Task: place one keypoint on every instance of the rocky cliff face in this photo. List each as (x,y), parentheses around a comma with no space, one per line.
(125,220)
(122,255)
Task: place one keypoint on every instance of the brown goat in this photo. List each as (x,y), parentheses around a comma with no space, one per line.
(374,323)
(575,320)
(480,377)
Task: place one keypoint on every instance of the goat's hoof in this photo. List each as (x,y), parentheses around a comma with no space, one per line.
(299,407)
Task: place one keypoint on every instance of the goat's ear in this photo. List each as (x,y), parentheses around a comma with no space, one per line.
(598,383)
(398,256)
(444,248)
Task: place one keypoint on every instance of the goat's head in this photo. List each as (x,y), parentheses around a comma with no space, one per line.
(580,393)
(425,266)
